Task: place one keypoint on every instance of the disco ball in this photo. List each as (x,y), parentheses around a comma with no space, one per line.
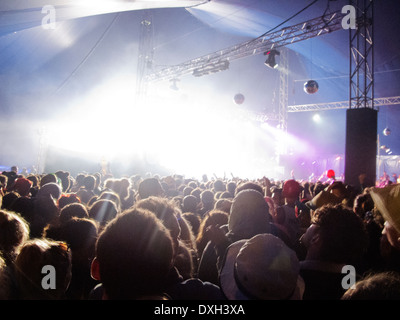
(387,131)
(311,86)
(238,98)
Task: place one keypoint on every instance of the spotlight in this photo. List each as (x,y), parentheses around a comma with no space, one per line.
(316,117)
(270,62)
(173,86)
(386,149)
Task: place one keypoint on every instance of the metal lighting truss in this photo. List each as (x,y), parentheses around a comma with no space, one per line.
(146,53)
(219,60)
(362,56)
(388,101)
(283,89)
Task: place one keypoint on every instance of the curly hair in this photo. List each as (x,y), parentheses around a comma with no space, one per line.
(343,234)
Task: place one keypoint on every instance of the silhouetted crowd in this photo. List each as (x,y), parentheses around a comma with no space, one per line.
(96,236)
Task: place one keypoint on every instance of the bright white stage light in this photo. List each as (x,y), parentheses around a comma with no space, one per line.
(185,134)
(316,118)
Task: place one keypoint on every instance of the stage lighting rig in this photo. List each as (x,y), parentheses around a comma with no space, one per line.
(271,61)
(211,68)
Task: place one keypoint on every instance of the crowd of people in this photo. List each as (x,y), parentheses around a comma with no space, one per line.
(94,236)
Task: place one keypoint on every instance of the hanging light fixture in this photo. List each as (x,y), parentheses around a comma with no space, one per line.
(271,62)
(173,85)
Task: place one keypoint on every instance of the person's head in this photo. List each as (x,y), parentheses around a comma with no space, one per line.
(103,211)
(363,203)
(89,182)
(50,189)
(231,187)
(165,210)
(249,215)
(110,195)
(134,253)
(339,189)
(79,179)
(187,191)
(170,181)
(169,214)
(121,186)
(249,185)
(224,205)
(8,199)
(378,286)
(219,185)
(150,187)
(25,207)
(38,258)
(47,178)
(261,268)
(65,180)
(189,204)
(291,191)
(207,198)
(81,235)
(276,196)
(77,210)
(196,192)
(22,186)
(194,220)
(11,176)
(45,212)
(336,234)
(214,218)
(14,232)
(34,179)
(67,198)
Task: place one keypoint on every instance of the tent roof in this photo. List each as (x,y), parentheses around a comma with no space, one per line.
(45,71)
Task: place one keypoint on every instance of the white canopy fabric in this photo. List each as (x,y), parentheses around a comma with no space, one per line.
(91,59)
(22,14)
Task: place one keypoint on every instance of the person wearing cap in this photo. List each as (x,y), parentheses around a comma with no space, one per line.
(22,186)
(335,238)
(51,189)
(248,217)
(387,202)
(286,214)
(261,268)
